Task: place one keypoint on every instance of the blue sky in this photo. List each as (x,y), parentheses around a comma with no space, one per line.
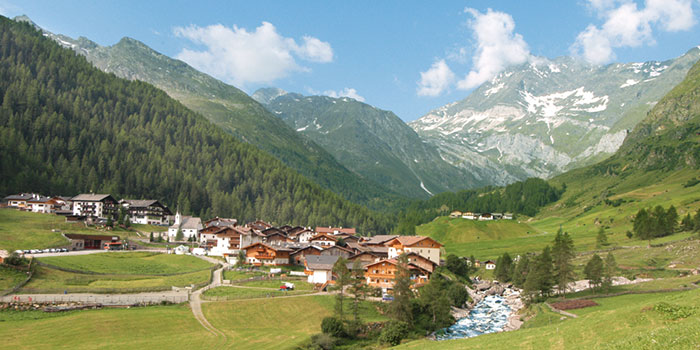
(405,56)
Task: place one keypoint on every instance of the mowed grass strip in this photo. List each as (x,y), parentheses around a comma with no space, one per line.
(154,327)
(234,292)
(276,323)
(623,322)
(130,263)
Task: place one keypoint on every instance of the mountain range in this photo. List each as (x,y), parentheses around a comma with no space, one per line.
(543,118)
(538,119)
(229,108)
(372,142)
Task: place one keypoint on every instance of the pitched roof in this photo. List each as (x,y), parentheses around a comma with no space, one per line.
(139,203)
(91,197)
(379,239)
(321,262)
(332,230)
(275,248)
(21,196)
(41,199)
(411,240)
(322,235)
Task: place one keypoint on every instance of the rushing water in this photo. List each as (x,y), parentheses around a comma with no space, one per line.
(488,316)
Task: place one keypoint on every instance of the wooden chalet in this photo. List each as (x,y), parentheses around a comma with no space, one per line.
(421,261)
(378,240)
(146,211)
(298,256)
(422,245)
(323,239)
(259,225)
(259,254)
(277,238)
(338,251)
(381,274)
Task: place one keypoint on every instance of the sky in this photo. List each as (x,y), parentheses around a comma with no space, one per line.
(408,57)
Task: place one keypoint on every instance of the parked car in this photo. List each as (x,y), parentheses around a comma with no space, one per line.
(35,251)
(52,250)
(46,251)
(26,251)
(387,297)
(64,250)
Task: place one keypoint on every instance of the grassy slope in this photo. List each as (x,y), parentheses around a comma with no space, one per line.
(25,230)
(278,323)
(483,239)
(624,322)
(10,277)
(48,280)
(130,263)
(171,327)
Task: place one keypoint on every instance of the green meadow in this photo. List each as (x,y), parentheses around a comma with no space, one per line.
(129,263)
(622,322)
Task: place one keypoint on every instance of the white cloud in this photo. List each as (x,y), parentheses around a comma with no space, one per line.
(346,92)
(435,80)
(238,56)
(497,46)
(628,26)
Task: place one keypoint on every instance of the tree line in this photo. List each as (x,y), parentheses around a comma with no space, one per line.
(552,270)
(67,128)
(522,197)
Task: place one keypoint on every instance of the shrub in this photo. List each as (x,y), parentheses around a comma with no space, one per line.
(332,326)
(394,332)
(458,294)
(321,341)
(16,260)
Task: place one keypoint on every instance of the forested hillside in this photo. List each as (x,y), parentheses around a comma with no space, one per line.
(232,110)
(522,197)
(66,127)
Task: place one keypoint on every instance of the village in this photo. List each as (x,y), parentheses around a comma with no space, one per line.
(257,243)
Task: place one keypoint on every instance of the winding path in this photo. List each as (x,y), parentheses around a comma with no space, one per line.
(196,298)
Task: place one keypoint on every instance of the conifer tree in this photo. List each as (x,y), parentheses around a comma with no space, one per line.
(562,254)
(400,307)
(609,271)
(521,270)
(358,288)
(504,270)
(601,239)
(594,271)
(343,277)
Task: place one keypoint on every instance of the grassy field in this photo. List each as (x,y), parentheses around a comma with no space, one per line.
(26,230)
(581,211)
(624,322)
(130,263)
(157,327)
(276,283)
(277,323)
(234,275)
(483,239)
(233,293)
(9,277)
(47,280)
